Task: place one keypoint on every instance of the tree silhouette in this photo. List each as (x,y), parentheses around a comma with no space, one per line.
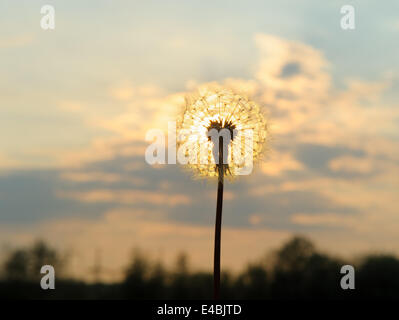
(25,264)
(297,270)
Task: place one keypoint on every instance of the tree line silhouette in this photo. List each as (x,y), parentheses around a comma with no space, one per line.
(297,270)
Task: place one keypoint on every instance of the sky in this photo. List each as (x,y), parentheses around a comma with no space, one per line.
(77,101)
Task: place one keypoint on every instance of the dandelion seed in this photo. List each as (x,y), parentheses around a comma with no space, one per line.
(221,109)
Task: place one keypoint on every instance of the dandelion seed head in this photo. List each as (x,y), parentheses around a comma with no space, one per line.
(220,108)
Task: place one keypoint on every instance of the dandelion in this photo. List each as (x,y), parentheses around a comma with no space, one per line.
(219,133)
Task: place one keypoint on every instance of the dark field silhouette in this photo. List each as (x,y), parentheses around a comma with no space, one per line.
(295,271)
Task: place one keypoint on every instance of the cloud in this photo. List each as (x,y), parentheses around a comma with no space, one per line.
(29,196)
(279,162)
(6,162)
(91,176)
(126,197)
(349,164)
(326,219)
(22,40)
(290,70)
(331,169)
(317,156)
(127,91)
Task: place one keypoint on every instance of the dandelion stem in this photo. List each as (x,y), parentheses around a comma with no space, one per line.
(218,224)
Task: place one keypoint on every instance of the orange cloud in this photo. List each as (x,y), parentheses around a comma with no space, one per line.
(352,164)
(325,219)
(279,162)
(127,197)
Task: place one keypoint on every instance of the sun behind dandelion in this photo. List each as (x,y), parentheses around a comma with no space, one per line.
(220,109)
(217,125)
